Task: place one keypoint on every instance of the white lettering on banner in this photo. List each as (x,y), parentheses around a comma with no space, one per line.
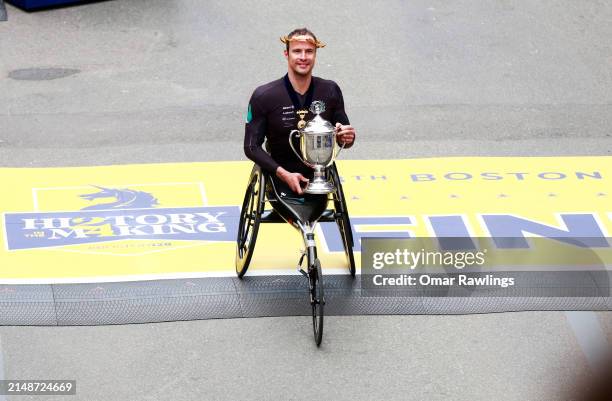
(48,223)
(156,219)
(119,220)
(58,232)
(31,230)
(126,231)
(141,230)
(178,218)
(492,175)
(210,217)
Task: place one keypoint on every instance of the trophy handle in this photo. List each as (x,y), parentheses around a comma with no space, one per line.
(336,143)
(340,148)
(291,143)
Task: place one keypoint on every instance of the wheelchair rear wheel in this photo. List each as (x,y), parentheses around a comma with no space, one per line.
(248,226)
(343,221)
(344,225)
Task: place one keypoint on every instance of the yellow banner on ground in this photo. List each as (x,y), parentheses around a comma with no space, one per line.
(137,222)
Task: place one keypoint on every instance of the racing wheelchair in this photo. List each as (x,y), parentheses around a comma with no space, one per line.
(262,191)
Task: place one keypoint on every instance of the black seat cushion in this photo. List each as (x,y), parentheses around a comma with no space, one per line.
(292,206)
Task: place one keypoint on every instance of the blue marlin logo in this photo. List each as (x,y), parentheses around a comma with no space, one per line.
(123,199)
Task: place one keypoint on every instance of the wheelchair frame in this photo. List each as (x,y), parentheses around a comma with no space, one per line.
(254,212)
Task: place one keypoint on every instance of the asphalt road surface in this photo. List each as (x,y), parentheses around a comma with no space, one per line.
(135,81)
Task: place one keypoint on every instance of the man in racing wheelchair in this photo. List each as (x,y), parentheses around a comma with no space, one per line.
(275,109)
(282,105)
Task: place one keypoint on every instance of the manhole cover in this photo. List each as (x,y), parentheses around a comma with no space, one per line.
(41,74)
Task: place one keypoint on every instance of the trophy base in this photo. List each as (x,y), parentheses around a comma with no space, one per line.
(319,187)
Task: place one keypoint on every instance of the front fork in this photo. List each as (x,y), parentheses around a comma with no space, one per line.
(310,252)
(311,249)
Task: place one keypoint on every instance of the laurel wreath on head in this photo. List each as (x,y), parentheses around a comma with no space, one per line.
(307,38)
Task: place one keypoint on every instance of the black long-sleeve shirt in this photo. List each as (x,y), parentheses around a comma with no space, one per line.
(271,115)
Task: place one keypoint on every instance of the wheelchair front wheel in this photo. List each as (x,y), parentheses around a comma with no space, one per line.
(317,300)
(248,225)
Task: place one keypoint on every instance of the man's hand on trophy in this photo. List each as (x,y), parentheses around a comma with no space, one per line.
(293,180)
(345,135)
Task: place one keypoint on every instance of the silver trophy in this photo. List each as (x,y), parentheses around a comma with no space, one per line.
(318,149)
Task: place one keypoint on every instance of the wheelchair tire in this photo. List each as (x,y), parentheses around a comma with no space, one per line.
(248,226)
(343,221)
(317,300)
(344,225)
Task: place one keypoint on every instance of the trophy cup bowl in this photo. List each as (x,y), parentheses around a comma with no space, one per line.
(318,149)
